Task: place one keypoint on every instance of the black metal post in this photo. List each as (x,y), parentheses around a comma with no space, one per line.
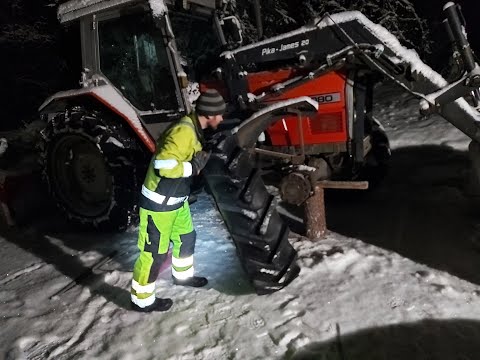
(452,12)
(258,18)
(359,121)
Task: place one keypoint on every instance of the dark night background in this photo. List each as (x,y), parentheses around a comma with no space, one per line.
(40,57)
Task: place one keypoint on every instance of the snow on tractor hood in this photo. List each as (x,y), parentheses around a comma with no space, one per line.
(75,9)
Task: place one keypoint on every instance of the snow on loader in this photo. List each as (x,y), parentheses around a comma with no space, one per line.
(302,101)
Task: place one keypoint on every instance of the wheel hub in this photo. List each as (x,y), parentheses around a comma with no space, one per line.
(295,188)
(80,175)
(90,171)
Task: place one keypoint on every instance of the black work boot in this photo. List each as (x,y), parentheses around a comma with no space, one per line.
(194,281)
(158,305)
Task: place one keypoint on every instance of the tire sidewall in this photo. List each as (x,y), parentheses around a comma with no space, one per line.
(119,162)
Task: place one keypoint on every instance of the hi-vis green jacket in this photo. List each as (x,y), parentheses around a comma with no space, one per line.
(168,179)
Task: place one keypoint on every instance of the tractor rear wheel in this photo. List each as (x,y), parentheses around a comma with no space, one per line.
(89,165)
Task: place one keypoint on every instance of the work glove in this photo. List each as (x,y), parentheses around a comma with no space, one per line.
(199,161)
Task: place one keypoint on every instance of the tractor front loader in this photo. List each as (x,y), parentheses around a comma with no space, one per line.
(301,102)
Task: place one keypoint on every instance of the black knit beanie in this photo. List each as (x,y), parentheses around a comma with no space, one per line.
(210,103)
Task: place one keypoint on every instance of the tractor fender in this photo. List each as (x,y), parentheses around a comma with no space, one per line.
(249,130)
(108,96)
(248,209)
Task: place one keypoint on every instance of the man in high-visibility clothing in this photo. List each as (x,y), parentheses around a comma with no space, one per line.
(164,211)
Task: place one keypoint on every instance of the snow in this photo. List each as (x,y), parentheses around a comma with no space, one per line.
(305,168)
(193,91)
(398,113)
(109,96)
(158,7)
(396,277)
(250,214)
(407,55)
(447,5)
(115,142)
(63,94)
(75,9)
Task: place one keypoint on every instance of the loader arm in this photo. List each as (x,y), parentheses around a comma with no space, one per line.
(349,39)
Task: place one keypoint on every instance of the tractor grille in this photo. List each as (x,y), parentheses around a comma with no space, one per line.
(326,123)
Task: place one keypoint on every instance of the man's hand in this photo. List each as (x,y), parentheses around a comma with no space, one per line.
(199,161)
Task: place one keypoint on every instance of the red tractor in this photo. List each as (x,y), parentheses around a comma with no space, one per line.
(301,102)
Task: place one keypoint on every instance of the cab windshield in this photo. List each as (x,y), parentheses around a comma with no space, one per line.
(133,57)
(196,43)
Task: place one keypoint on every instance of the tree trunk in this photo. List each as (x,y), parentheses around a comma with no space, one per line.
(314,216)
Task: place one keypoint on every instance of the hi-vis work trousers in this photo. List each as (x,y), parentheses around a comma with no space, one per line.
(156,231)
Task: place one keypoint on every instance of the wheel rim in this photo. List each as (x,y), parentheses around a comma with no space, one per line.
(80,176)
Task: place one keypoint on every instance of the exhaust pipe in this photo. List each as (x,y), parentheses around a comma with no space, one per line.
(258,18)
(453,14)
(219,30)
(456,31)
(450,36)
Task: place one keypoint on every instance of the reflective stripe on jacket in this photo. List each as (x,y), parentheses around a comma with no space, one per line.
(167,183)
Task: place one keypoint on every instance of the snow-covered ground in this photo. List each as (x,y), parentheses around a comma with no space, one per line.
(396,278)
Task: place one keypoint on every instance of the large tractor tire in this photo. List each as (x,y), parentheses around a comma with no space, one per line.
(89,161)
(249,212)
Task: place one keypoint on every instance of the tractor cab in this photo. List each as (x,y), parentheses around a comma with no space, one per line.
(133,56)
(131,45)
(98,137)
(132,48)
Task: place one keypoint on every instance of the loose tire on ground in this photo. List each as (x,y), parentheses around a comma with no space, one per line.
(250,214)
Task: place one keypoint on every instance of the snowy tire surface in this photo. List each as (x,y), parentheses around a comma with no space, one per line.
(249,212)
(89,165)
